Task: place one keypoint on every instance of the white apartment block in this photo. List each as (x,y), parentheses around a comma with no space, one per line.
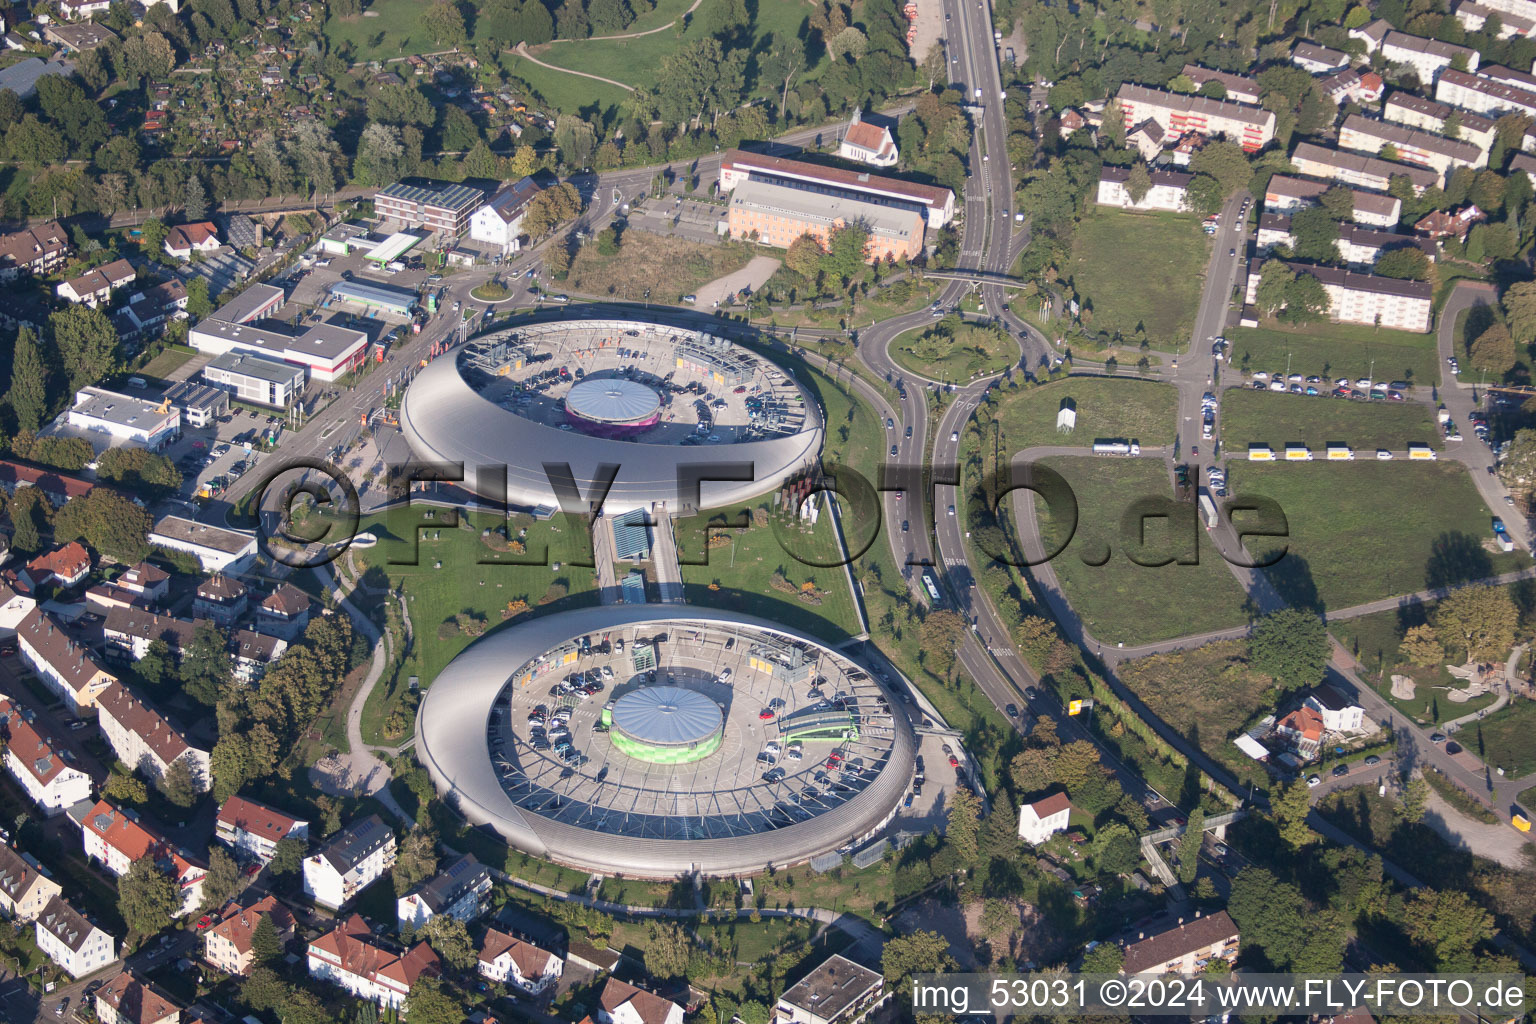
(1474,17)
(522,965)
(144,740)
(1483,95)
(500,221)
(459,890)
(1365,298)
(1430,115)
(1358,170)
(1252,127)
(349,862)
(1240,88)
(24,889)
(253,829)
(1169,191)
(838,991)
(1427,57)
(65,667)
(69,940)
(1287,194)
(32,760)
(1340,713)
(1413,146)
(1359,247)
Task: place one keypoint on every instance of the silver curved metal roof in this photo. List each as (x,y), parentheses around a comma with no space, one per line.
(611,400)
(446,420)
(667,716)
(450,742)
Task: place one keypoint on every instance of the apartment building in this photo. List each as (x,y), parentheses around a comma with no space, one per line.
(1365,298)
(1371,34)
(67,668)
(1522,9)
(13,607)
(1484,95)
(499,222)
(1240,88)
(838,991)
(284,612)
(1358,170)
(1186,948)
(1340,713)
(253,830)
(1474,18)
(149,582)
(227,942)
(737,166)
(438,206)
(144,740)
(522,965)
(1176,113)
(777,215)
(132,630)
(1169,191)
(33,251)
(116,838)
(349,957)
(459,890)
(94,287)
(1411,144)
(349,862)
(1430,115)
(127,999)
(65,936)
(62,567)
(50,781)
(1427,57)
(1287,194)
(24,889)
(221,599)
(56,486)
(1358,246)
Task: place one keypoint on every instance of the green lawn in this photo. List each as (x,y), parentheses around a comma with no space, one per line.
(1268,417)
(1140,268)
(971,352)
(1106,407)
(167,361)
(1507,738)
(566,93)
(1118,600)
(1336,350)
(1367,530)
(388,28)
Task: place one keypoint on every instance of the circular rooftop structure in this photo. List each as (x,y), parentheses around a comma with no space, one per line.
(666,724)
(666,404)
(656,741)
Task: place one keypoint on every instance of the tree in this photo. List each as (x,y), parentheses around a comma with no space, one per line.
(1415,799)
(1105,958)
(416,860)
(29,511)
(444,23)
(206,664)
(1115,849)
(1275,279)
(147,897)
(152,237)
(1449,925)
(1493,351)
(29,382)
(964,825)
(179,783)
(1316,235)
(106,520)
(1519,304)
(1305,300)
(262,990)
(846,252)
(1290,808)
(1203,196)
(1139,183)
(194,198)
(551,207)
(1339,201)
(1189,845)
(266,944)
(804,256)
(1479,621)
(1407,264)
(576,139)
(223,878)
(287,857)
(138,470)
(146,56)
(432,1002)
(1292,646)
(1032,770)
(1422,646)
(450,940)
(86,342)
(125,789)
(1224,161)
(665,950)
(917,953)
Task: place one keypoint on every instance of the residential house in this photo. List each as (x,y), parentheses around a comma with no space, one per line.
(94,287)
(623,1003)
(838,991)
(1071,122)
(227,942)
(65,936)
(116,838)
(127,999)
(348,956)
(1146,139)
(284,612)
(150,309)
(104,597)
(183,240)
(62,567)
(63,665)
(1371,34)
(24,889)
(51,782)
(144,740)
(459,890)
(349,862)
(1440,224)
(1302,730)
(1340,713)
(1318,60)
(1169,191)
(253,829)
(150,582)
(1351,86)
(33,251)
(522,965)
(499,222)
(132,630)
(867,143)
(1185,948)
(221,599)
(80,10)
(1042,819)
(54,485)
(14,607)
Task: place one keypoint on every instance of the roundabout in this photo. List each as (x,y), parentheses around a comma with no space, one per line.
(656,741)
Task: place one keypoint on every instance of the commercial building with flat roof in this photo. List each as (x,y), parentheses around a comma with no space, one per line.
(1176,113)
(217,549)
(1411,144)
(1366,298)
(435,205)
(736,166)
(838,991)
(392,248)
(326,350)
(375,297)
(1357,169)
(251,378)
(776,215)
(200,404)
(126,419)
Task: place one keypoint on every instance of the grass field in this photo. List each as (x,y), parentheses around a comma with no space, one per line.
(1507,738)
(1208,693)
(637,267)
(567,93)
(1137,268)
(972,351)
(1364,530)
(1268,417)
(389,28)
(167,361)
(1106,407)
(1336,350)
(1118,600)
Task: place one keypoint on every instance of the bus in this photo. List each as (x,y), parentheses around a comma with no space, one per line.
(932,587)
